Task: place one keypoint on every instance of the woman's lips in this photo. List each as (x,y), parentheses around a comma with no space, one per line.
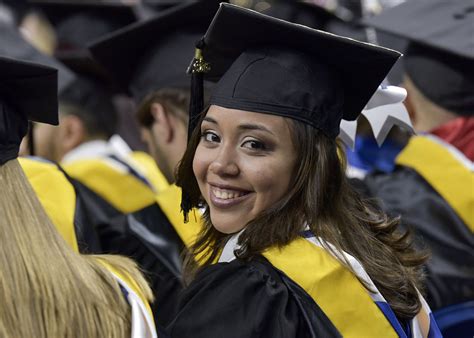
(226,197)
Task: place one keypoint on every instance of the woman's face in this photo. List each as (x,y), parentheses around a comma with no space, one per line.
(243,164)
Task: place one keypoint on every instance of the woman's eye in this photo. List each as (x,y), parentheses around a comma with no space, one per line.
(209,136)
(254,145)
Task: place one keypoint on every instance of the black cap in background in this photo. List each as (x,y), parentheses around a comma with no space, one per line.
(439,58)
(28,91)
(78,23)
(154,54)
(12,45)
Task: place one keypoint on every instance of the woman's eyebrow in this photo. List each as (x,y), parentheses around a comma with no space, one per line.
(210,119)
(250,126)
(245,126)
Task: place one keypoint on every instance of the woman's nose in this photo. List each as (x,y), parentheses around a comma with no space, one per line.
(225,163)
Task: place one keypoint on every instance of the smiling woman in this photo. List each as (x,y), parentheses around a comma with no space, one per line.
(288,249)
(243,164)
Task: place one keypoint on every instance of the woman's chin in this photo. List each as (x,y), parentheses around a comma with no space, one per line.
(227,227)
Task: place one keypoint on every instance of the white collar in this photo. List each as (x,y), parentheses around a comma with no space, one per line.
(229,248)
(142,323)
(98,148)
(118,144)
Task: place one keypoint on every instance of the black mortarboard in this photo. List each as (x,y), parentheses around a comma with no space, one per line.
(14,46)
(357,31)
(272,66)
(78,23)
(28,91)
(154,54)
(439,58)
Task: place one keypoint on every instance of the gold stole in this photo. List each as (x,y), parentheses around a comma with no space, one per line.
(335,289)
(453,180)
(123,191)
(56,194)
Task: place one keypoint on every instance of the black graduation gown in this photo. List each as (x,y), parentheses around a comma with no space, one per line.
(437,226)
(146,236)
(248,300)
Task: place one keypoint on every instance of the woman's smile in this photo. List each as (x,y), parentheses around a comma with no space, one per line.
(226,197)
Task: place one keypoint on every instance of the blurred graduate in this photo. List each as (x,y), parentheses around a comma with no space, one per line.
(432,184)
(48,289)
(115,209)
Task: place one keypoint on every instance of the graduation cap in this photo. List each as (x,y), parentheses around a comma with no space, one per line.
(272,66)
(439,58)
(28,91)
(14,46)
(78,23)
(154,54)
(385,109)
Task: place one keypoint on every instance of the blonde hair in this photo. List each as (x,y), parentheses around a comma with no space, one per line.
(47,289)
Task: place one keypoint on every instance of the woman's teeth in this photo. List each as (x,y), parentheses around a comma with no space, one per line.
(226,194)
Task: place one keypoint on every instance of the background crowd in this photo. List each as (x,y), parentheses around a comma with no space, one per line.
(102,153)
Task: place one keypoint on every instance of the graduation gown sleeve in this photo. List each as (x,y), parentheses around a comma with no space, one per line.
(247,299)
(147,237)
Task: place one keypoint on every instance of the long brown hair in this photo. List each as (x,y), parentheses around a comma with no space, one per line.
(47,289)
(322,198)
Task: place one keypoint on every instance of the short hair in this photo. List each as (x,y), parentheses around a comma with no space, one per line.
(175,100)
(92,103)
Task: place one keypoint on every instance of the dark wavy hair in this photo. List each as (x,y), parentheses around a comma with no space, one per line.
(321,197)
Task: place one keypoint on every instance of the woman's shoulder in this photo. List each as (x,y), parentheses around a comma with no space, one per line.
(258,268)
(245,299)
(234,280)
